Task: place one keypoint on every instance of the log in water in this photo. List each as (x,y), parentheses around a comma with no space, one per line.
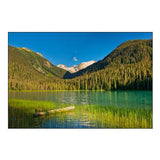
(53,111)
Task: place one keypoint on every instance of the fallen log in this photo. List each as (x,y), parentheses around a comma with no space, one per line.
(37,114)
(61,109)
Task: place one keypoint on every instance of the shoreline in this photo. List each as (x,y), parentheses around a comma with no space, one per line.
(70,90)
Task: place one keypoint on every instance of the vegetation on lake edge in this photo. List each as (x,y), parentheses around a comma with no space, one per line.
(29,106)
(105,116)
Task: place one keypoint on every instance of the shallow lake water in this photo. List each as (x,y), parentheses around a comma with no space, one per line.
(119,99)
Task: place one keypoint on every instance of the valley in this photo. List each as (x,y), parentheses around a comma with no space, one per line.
(129,66)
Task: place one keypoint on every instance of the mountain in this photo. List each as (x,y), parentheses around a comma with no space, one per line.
(71,69)
(27,68)
(84,65)
(75,68)
(129,66)
(130,52)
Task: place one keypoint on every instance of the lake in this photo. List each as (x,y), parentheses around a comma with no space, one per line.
(132,109)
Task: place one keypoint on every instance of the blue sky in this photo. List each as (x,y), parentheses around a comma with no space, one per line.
(72,48)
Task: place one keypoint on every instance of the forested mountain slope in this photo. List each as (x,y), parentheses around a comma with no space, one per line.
(129,66)
(27,67)
(130,52)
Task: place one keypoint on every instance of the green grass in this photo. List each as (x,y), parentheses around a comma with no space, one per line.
(102,116)
(50,90)
(29,106)
(118,117)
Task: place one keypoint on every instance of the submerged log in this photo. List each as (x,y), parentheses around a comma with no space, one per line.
(61,109)
(37,114)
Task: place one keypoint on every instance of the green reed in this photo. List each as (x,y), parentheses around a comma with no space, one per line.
(29,106)
(114,117)
(100,116)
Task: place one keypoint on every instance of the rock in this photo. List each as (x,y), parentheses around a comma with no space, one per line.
(39,54)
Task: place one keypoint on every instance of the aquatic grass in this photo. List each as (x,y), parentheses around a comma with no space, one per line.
(29,106)
(44,90)
(93,116)
(114,117)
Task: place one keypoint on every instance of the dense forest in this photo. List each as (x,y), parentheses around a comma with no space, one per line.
(129,66)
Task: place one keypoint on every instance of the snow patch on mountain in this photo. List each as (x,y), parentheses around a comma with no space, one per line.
(75,68)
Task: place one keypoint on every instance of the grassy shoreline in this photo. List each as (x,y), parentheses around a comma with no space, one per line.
(119,117)
(70,90)
(29,106)
(49,90)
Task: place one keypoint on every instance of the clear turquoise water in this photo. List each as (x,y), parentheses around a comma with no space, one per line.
(129,99)
(119,99)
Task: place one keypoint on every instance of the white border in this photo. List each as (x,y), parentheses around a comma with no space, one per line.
(81,15)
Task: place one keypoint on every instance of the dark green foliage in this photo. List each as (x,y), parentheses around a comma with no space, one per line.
(129,66)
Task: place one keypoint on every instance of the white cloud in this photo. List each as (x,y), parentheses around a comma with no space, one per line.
(75,59)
